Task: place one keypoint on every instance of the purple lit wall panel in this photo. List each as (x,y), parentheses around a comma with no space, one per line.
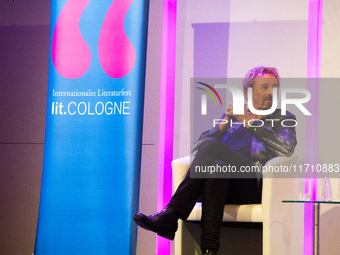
(211,50)
(211,43)
(282,44)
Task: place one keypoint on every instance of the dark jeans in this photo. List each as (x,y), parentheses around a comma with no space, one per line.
(214,193)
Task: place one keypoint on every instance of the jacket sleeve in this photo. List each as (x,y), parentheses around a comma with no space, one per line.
(280,139)
(214,132)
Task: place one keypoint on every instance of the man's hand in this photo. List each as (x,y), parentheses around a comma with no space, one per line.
(230,116)
(245,117)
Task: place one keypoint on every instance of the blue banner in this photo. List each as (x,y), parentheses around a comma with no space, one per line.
(90,181)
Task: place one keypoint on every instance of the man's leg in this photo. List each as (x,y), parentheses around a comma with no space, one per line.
(215,191)
(214,194)
(186,196)
(211,151)
(190,189)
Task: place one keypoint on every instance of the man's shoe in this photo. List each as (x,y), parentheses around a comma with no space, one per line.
(163,223)
(209,252)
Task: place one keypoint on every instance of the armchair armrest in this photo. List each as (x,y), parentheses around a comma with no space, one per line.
(278,217)
(180,168)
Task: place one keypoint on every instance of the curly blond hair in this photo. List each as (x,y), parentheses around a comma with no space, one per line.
(248,81)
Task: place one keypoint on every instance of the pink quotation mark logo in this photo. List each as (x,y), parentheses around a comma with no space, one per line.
(116,53)
(70,53)
(72,56)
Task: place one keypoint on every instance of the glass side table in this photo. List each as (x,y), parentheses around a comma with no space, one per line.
(316,216)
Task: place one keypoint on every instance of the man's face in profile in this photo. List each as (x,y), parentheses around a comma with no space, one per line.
(263,91)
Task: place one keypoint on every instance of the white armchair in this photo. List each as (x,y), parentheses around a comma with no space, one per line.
(277,218)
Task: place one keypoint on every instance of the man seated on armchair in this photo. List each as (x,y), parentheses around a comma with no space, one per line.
(253,142)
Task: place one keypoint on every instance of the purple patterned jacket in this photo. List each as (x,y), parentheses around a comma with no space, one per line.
(276,137)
